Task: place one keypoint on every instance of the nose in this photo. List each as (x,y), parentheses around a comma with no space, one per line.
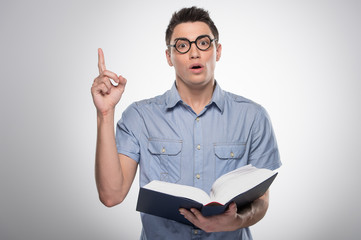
(193,51)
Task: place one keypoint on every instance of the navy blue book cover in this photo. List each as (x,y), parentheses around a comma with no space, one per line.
(167,206)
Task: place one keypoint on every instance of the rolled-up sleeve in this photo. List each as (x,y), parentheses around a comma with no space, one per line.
(126,133)
(264,150)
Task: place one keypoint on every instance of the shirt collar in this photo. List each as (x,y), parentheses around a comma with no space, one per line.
(173,97)
(217,98)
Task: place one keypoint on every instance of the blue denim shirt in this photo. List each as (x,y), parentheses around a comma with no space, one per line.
(172,143)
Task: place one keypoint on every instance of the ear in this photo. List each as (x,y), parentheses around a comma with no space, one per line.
(218,52)
(169,60)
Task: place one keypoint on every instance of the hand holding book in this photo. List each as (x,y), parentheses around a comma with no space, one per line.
(232,219)
(227,221)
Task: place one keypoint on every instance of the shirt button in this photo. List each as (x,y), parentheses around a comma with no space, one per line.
(198,176)
(199,147)
(196,232)
(232,154)
(197,119)
(163,150)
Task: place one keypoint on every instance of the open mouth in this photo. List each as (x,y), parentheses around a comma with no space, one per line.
(196,66)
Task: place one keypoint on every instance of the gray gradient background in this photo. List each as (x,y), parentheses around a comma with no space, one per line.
(299,59)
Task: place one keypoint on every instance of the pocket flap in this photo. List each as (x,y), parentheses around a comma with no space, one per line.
(229,151)
(165,147)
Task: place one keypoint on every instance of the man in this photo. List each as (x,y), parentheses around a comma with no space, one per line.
(190,135)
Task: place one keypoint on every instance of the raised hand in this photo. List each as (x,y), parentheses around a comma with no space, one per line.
(105,94)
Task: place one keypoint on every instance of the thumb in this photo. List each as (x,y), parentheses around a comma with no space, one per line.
(232,207)
(121,80)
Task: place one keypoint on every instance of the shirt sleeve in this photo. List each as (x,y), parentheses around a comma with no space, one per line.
(126,133)
(264,150)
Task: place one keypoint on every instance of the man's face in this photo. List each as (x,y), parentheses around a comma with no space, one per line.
(196,67)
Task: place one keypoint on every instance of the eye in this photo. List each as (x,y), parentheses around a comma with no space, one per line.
(181,44)
(203,43)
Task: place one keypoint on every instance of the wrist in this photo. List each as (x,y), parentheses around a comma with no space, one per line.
(106,116)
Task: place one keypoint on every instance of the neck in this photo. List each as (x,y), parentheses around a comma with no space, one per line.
(196,96)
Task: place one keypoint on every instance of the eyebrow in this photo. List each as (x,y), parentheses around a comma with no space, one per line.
(184,38)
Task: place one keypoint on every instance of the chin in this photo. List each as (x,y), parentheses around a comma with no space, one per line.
(202,80)
(198,83)
(195,80)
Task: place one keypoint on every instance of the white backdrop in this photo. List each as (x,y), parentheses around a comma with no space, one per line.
(299,59)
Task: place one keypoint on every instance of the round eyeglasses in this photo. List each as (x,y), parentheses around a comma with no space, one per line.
(183,45)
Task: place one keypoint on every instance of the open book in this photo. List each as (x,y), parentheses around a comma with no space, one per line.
(242,186)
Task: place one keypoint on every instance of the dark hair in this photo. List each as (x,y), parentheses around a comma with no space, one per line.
(192,14)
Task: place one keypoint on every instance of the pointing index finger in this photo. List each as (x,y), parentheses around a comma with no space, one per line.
(101,62)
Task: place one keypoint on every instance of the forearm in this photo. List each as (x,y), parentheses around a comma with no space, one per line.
(255,212)
(108,171)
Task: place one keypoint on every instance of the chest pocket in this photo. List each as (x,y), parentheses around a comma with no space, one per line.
(165,160)
(229,156)
(229,151)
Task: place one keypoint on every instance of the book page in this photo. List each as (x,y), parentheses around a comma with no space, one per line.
(238,181)
(179,190)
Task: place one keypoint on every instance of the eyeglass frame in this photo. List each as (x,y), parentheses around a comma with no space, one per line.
(190,43)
